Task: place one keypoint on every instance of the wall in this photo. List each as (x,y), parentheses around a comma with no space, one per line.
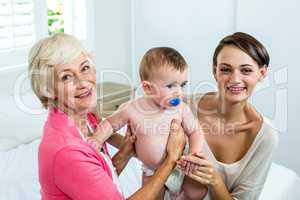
(113,39)
(193,28)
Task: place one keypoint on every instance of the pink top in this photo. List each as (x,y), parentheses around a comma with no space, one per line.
(69,168)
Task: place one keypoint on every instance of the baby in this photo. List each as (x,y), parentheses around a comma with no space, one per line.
(163,73)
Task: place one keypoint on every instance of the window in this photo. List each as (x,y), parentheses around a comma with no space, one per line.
(20,25)
(71,17)
(22,22)
(16,24)
(55,16)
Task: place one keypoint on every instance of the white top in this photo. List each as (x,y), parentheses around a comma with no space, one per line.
(245,178)
(115,176)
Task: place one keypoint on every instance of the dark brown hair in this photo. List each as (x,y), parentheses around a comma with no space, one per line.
(158,57)
(248,44)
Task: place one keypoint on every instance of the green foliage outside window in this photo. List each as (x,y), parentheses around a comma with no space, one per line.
(55,18)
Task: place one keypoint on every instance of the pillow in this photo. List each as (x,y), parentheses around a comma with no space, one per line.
(21,115)
(281,183)
(20,182)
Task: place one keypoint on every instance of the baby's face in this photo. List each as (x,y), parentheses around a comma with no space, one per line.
(166,84)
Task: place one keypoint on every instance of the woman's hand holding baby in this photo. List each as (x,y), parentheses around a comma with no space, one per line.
(128,147)
(202,170)
(176,141)
(126,151)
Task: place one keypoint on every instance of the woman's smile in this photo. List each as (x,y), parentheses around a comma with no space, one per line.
(84,95)
(236,89)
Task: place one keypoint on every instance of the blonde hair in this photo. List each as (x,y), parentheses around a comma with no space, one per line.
(57,49)
(159,57)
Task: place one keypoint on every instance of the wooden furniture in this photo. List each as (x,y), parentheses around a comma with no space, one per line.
(110,96)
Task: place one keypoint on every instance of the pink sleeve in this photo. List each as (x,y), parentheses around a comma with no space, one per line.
(80,175)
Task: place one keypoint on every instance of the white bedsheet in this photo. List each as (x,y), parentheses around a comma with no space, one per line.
(18,173)
(19,178)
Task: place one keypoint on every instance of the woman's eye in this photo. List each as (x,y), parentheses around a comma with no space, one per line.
(85,68)
(246,71)
(66,77)
(225,70)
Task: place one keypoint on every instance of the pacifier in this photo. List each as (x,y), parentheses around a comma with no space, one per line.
(175,101)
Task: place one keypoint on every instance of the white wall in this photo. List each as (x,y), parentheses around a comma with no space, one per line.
(113,39)
(193,27)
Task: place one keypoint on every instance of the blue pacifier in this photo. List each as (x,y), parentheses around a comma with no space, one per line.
(175,101)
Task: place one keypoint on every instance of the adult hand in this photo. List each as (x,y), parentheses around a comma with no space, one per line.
(176,141)
(126,151)
(203,170)
(128,147)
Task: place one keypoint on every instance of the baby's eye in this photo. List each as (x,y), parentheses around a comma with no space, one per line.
(183,84)
(170,86)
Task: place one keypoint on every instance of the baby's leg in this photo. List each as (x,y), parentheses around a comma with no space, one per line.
(193,190)
(161,194)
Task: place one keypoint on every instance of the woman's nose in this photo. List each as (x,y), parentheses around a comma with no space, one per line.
(80,81)
(235,77)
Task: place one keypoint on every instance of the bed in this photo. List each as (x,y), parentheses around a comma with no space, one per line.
(19,178)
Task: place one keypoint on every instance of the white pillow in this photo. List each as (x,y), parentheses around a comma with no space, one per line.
(281,183)
(19,173)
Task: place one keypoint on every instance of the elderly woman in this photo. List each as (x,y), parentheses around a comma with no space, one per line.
(63,77)
(239,140)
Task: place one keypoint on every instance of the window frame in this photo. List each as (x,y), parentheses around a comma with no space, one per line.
(17,57)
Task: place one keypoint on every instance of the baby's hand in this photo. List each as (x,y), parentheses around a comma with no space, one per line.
(185,165)
(94,142)
(189,165)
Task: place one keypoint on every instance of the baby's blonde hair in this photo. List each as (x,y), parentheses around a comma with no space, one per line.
(159,57)
(57,49)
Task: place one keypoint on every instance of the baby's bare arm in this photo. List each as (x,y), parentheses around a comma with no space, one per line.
(106,129)
(193,130)
(195,142)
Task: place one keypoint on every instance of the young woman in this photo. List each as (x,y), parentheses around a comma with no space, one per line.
(239,140)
